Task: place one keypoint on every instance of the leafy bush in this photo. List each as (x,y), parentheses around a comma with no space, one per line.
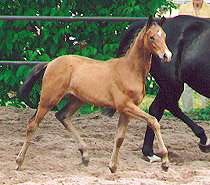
(32,40)
(200,114)
(195,114)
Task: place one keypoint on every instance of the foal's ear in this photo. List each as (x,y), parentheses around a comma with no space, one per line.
(162,21)
(149,22)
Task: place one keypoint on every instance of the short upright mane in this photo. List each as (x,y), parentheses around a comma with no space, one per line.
(132,41)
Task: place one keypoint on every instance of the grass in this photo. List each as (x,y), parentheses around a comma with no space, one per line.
(198,113)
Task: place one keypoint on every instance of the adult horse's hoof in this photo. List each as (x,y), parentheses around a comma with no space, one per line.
(205,148)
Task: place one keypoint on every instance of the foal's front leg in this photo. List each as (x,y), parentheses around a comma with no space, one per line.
(119,137)
(133,111)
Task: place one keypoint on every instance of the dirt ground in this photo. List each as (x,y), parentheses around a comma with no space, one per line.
(53,157)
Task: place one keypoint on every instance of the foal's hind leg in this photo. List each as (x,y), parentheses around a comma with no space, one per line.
(31,128)
(64,116)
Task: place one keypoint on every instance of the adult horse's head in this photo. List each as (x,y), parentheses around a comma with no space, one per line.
(155,39)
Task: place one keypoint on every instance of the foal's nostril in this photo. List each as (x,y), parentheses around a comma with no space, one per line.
(164,56)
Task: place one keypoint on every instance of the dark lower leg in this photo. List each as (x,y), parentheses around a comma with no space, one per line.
(147,149)
(156,109)
(197,130)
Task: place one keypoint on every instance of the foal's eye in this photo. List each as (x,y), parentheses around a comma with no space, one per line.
(152,38)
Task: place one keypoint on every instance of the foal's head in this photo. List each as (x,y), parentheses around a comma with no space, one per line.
(154,39)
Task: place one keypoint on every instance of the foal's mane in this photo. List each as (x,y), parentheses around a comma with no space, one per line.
(129,46)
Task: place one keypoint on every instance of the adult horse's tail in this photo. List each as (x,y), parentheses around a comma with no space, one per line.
(27,86)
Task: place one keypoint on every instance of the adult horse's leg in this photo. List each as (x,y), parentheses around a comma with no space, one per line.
(31,128)
(64,116)
(163,101)
(156,109)
(204,143)
(171,103)
(119,138)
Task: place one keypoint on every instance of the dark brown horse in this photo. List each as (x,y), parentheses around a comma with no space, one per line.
(188,39)
(103,84)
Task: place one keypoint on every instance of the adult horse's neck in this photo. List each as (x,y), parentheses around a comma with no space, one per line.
(138,58)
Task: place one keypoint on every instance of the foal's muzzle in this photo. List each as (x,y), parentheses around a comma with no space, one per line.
(167,56)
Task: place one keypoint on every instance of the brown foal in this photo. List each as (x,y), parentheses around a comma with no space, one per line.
(117,83)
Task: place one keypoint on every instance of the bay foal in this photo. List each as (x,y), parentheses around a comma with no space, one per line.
(87,80)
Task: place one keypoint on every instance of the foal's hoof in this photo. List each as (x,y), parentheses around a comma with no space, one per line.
(18,165)
(113,169)
(165,167)
(165,164)
(205,148)
(85,158)
(85,161)
(19,162)
(17,168)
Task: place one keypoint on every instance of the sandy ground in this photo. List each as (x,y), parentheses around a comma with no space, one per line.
(53,156)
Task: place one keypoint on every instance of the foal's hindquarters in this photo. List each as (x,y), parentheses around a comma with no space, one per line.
(53,90)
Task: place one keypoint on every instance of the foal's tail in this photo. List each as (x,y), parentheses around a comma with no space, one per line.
(27,86)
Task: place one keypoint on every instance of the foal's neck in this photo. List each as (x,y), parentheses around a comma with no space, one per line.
(139,57)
